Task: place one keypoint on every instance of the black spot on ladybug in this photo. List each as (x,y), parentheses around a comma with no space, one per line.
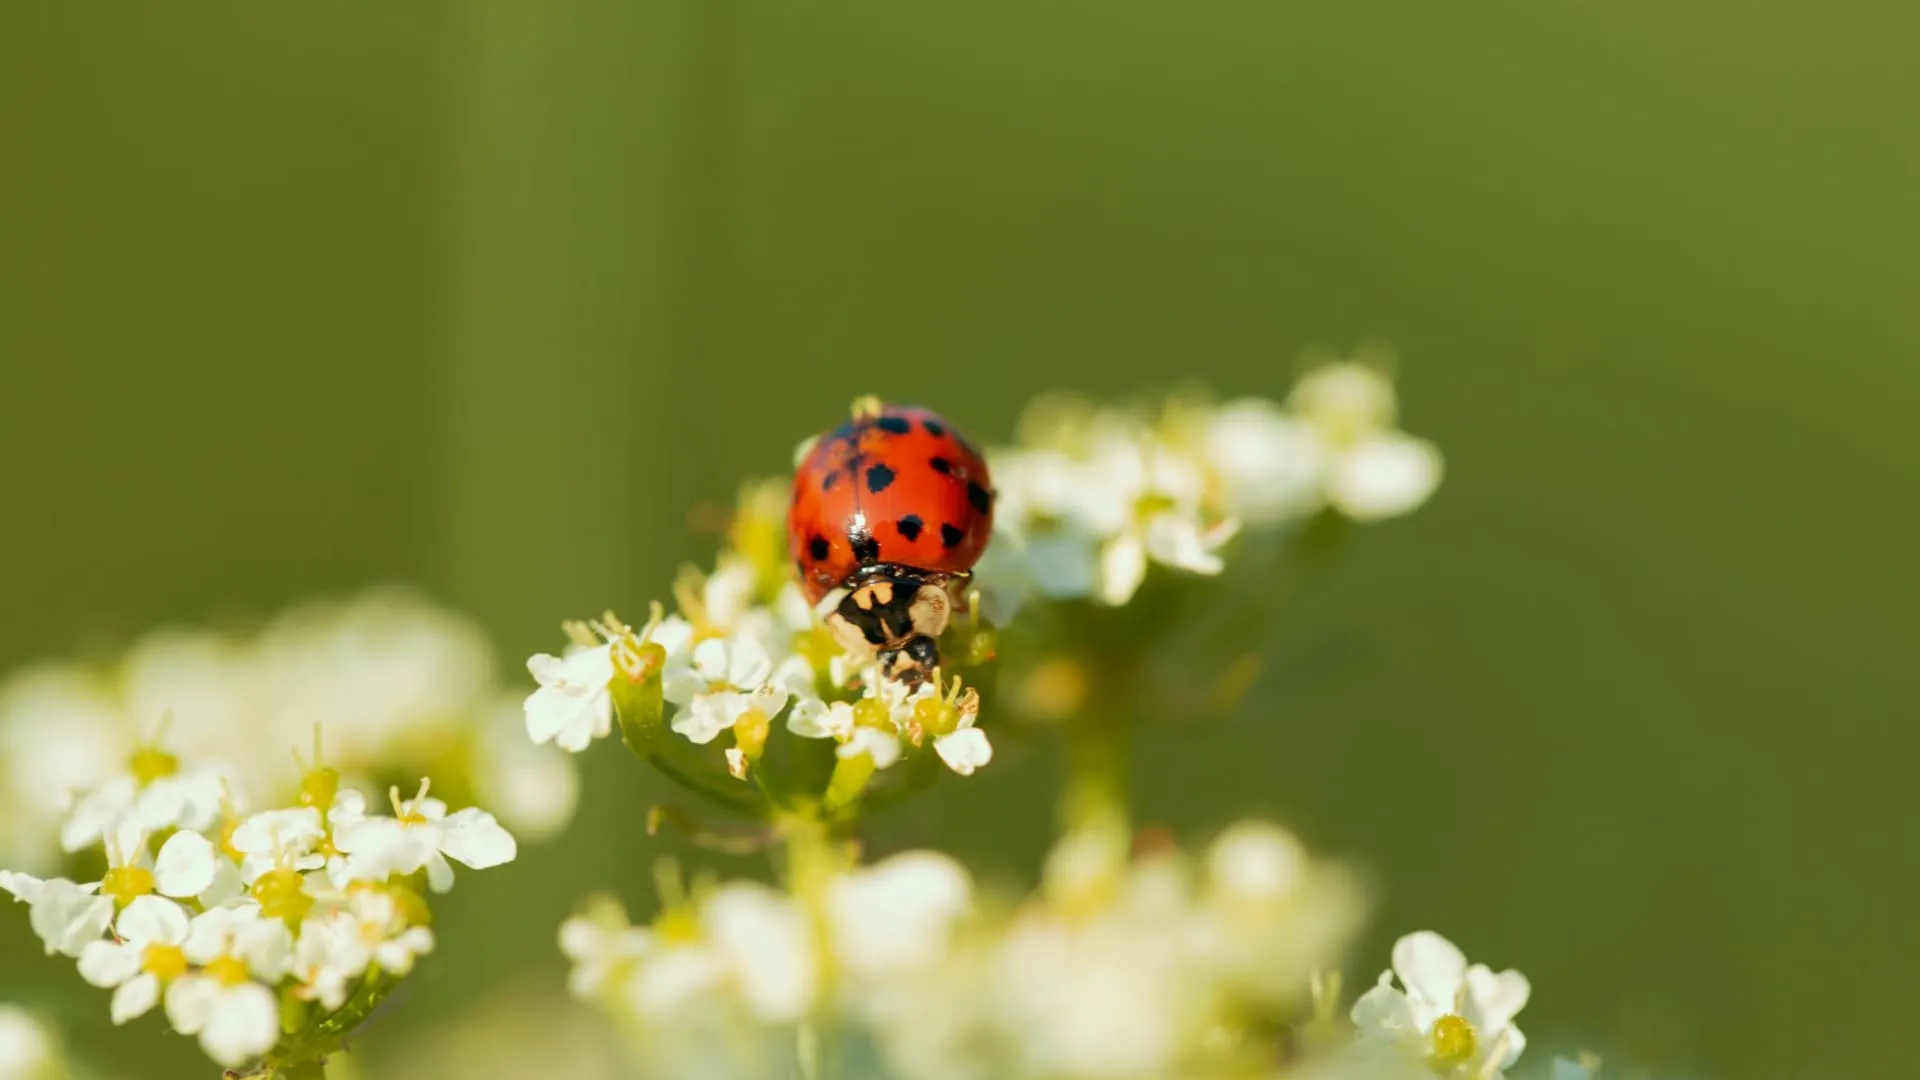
(817,547)
(866,549)
(933,427)
(910,527)
(833,477)
(893,425)
(941,465)
(978,496)
(951,535)
(878,477)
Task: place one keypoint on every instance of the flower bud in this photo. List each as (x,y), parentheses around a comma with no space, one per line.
(750,733)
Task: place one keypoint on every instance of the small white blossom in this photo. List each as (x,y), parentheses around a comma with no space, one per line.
(1458,1018)
(1384,476)
(384,931)
(228,1000)
(898,913)
(279,840)
(184,801)
(422,835)
(65,916)
(328,957)
(603,945)
(148,954)
(722,678)
(764,940)
(835,720)
(574,704)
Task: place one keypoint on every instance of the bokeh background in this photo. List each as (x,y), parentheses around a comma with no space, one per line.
(489,296)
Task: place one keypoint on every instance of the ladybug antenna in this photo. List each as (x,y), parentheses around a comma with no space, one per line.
(867,406)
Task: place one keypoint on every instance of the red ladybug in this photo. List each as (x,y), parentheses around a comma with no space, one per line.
(893,507)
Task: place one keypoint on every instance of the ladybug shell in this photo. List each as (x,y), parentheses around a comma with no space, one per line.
(901,488)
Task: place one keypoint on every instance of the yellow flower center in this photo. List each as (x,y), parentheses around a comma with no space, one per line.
(1453,1041)
(151,763)
(282,895)
(127,883)
(936,716)
(230,970)
(750,733)
(164,962)
(872,712)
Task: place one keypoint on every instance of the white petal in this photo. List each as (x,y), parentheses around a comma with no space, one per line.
(1178,541)
(134,998)
(702,720)
(153,920)
(185,865)
(1123,565)
(25,887)
(109,963)
(473,838)
(748,663)
(1494,1000)
(244,1025)
(1431,967)
(964,750)
(439,873)
(769,946)
(94,815)
(1256,861)
(711,659)
(1384,1013)
(1385,476)
(190,1000)
(882,746)
(897,913)
(812,718)
(66,917)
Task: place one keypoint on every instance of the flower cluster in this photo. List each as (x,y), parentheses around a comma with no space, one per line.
(744,659)
(402,688)
(1123,964)
(1091,497)
(267,934)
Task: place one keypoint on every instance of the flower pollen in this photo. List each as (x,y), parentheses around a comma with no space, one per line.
(1453,1041)
(163,962)
(126,884)
(229,970)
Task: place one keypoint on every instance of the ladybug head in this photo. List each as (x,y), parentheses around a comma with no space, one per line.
(897,615)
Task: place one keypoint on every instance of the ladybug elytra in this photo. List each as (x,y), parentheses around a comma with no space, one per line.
(891,509)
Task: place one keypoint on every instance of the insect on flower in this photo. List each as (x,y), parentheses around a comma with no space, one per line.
(890,511)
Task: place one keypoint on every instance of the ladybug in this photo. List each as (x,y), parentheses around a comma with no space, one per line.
(890,510)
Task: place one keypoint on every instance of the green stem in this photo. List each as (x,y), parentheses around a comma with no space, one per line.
(1096,791)
(813,859)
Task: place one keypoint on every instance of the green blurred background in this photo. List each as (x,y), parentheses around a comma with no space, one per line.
(487,295)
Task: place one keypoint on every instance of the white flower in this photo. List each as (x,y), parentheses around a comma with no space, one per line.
(835,720)
(27,1049)
(897,913)
(383,929)
(1457,1017)
(965,748)
(1384,476)
(228,999)
(574,704)
(722,679)
(766,944)
(328,957)
(123,803)
(1269,464)
(422,834)
(65,916)
(1169,537)
(603,945)
(148,955)
(279,840)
